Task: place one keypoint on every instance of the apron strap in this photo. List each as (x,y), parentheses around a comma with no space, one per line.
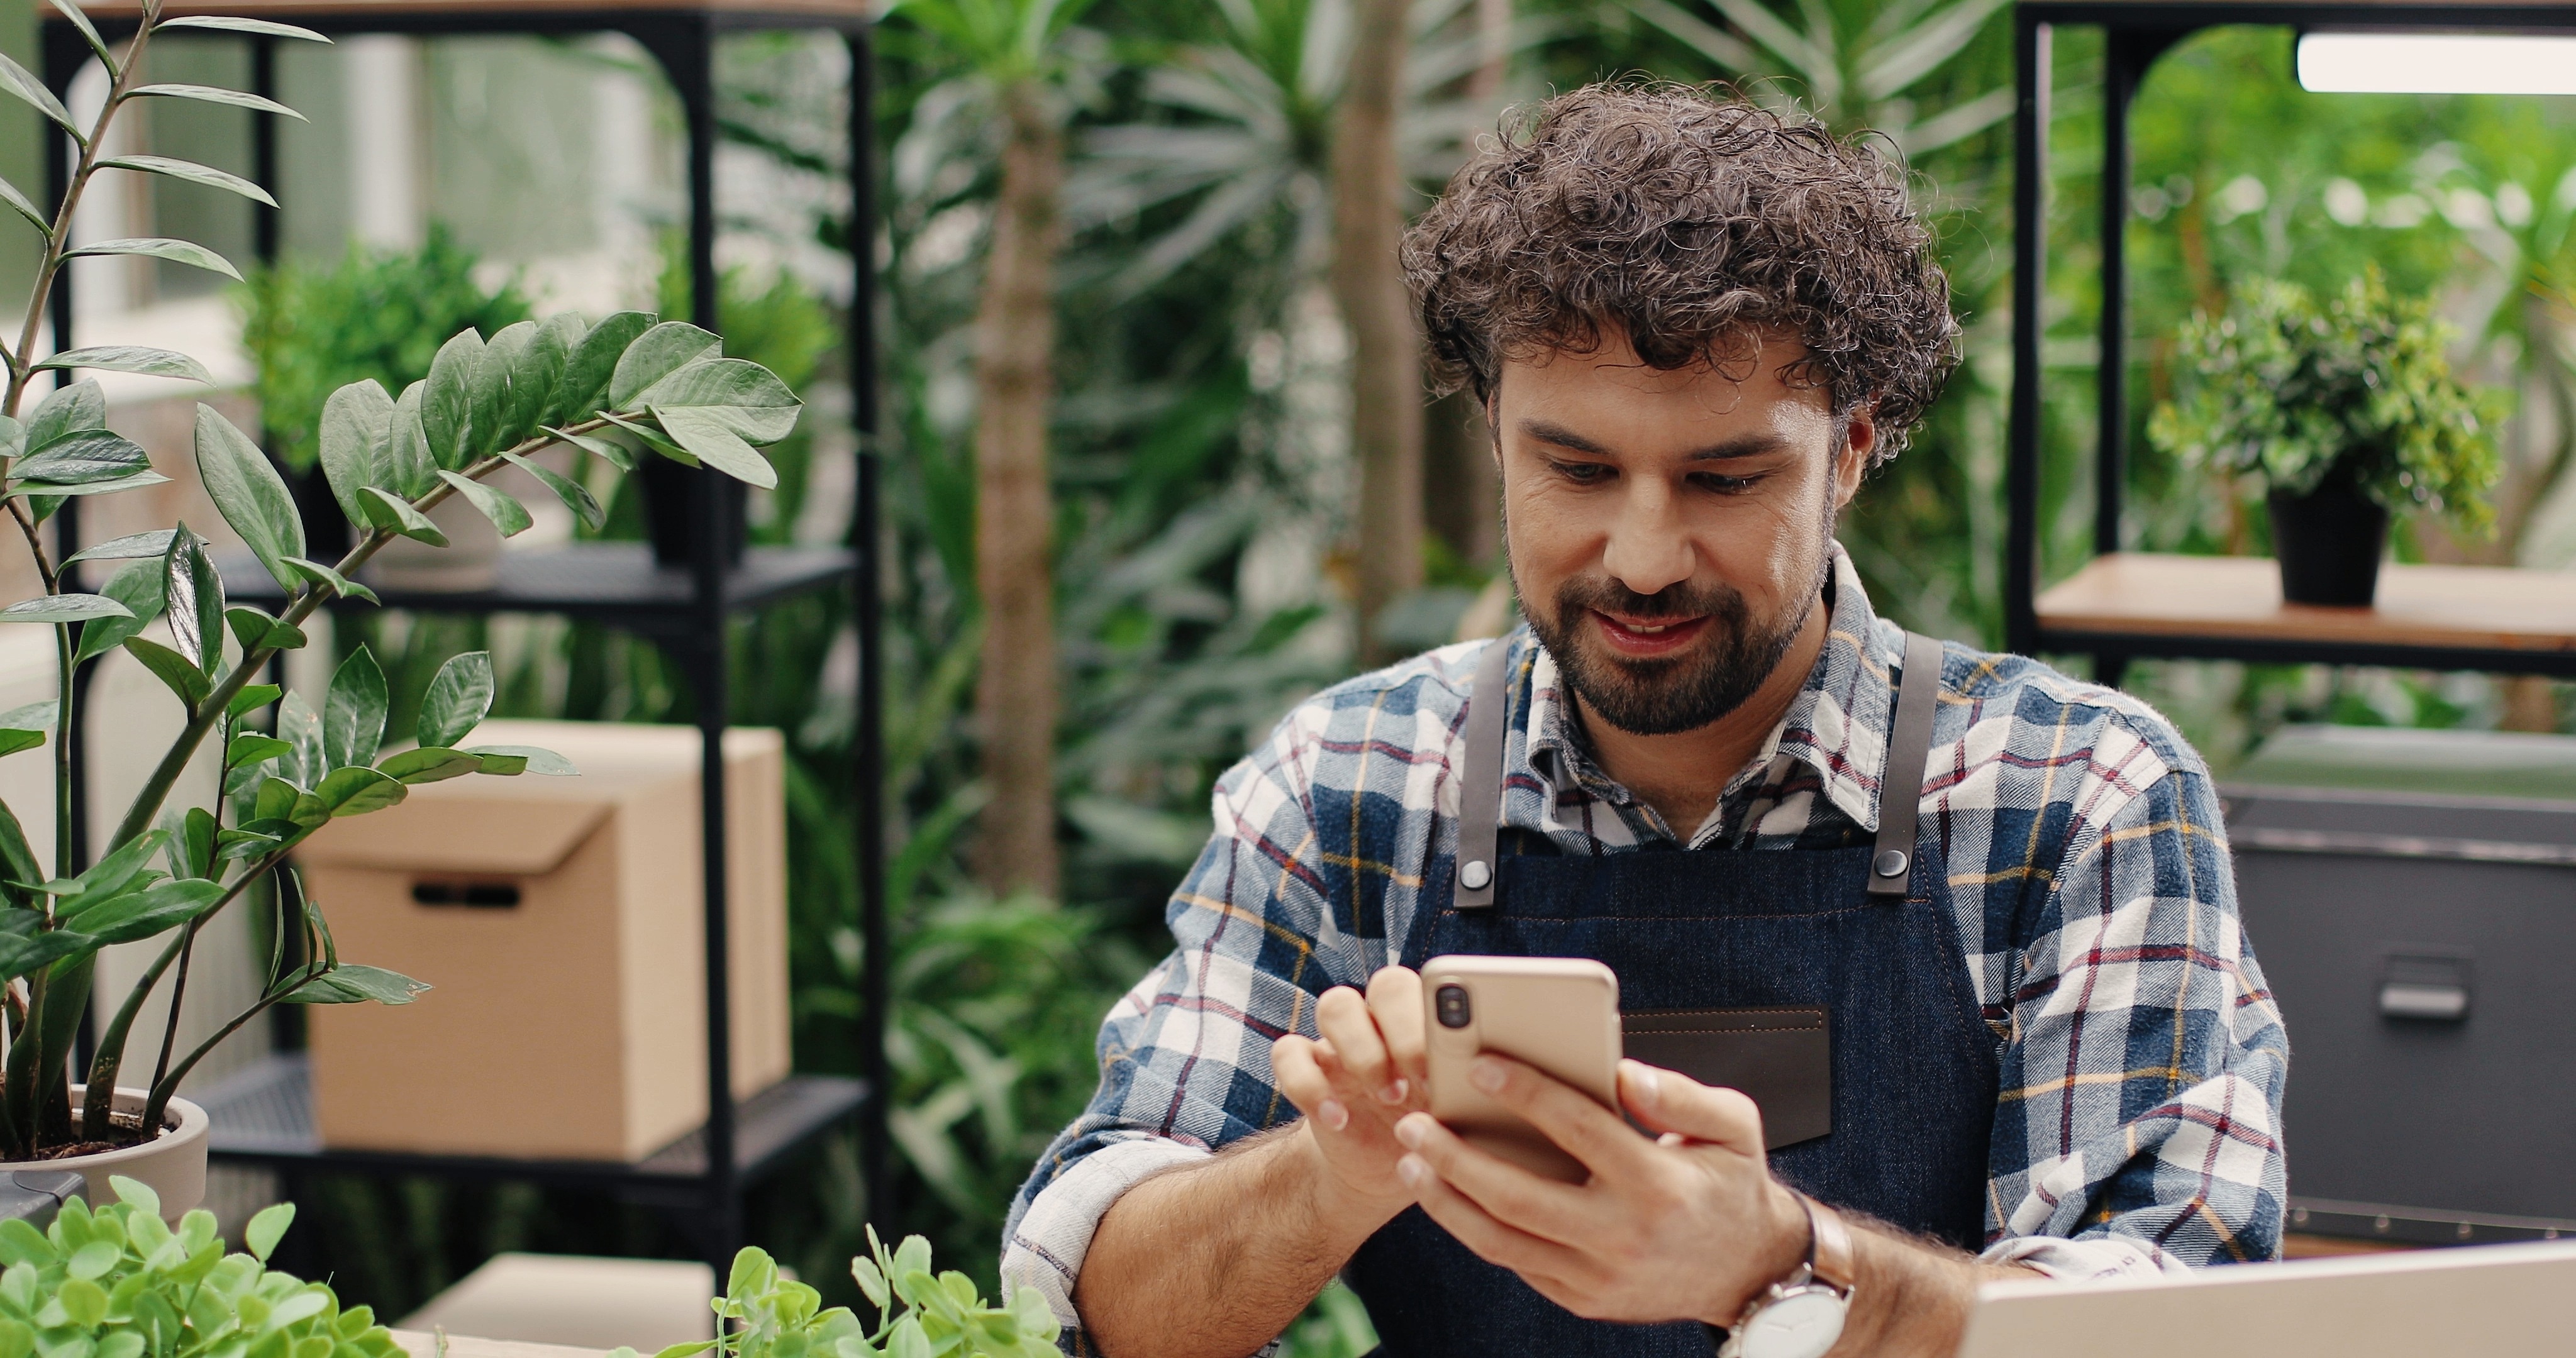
(1909,755)
(1480,789)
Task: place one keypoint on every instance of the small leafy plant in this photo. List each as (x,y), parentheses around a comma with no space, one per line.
(627,386)
(119,1283)
(2292,391)
(764,1315)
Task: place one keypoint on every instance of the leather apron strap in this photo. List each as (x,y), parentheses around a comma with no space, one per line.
(1480,790)
(1909,756)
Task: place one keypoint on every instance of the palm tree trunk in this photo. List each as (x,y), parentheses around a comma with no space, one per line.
(1015,695)
(1386,355)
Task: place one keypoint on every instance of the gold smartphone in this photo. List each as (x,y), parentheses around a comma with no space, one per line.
(1560,1014)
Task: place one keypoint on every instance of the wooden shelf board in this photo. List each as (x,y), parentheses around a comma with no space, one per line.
(2484,608)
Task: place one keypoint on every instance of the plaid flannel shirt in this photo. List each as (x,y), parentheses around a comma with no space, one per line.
(2138,1126)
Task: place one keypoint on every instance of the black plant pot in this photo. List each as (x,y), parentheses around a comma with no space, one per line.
(2329,542)
(671,496)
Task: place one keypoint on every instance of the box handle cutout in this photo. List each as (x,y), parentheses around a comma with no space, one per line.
(473,895)
(2429,987)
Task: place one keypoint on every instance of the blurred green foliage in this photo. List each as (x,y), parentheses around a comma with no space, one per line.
(378,314)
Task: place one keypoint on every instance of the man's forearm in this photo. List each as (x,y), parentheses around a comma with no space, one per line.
(1911,1298)
(1214,1260)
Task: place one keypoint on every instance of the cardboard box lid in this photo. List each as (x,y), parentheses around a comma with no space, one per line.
(529,824)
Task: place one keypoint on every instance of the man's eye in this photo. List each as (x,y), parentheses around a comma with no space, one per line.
(1582,473)
(1725,485)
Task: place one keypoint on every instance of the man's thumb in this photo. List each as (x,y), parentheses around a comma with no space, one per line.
(1668,1101)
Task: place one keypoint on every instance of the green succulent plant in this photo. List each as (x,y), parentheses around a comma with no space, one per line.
(117,1282)
(2291,391)
(919,1315)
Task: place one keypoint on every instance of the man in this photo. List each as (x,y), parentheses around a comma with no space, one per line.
(1996,899)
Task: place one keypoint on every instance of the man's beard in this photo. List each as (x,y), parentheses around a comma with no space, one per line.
(1677,693)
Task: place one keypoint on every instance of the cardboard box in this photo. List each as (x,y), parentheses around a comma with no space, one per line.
(561,922)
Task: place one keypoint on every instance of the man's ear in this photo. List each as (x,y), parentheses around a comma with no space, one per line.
(1859,447)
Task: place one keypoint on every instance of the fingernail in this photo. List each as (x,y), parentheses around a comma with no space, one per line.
(1393,1093)
(1410,1133)
(1412,1170)
(1649,1084)
(1333,1115)
(1487,1074)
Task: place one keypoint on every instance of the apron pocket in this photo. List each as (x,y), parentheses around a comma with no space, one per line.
(1781,1058)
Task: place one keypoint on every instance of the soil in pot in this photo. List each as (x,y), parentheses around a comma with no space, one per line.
(173,1164)
(2329,542)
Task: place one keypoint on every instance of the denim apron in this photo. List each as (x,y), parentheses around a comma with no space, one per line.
(1729,940)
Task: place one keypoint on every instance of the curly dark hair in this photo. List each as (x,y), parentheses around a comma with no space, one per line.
(1691,220)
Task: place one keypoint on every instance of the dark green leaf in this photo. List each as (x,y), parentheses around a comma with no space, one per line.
(748,398)
(19,81)
(255,629)
(252,699)
(502,765)
(9,194)
(25,728)
(447,408)
(130,358)
(457,699)
(245,844)
(428,764)
(77,457)
(539,761)
(173,669)
(16,858)
(535,376)
(565,332)
(356,423)
(250,747)
(140,588)
(649,436)
(494,400)
(353,713)
(141,914)
(12,740)
(250,493)
(132,546)
(357,791)
(191,172)
(506,514)
(298,722)
(196,841)
(276,802)
(353,984)
(209,94)
(24,954)
(82,405)
(658,353)
(48,497)
(161,247)
(63,608)
(407,456)
(118,871)
(196,601)
(397,516)
(575,496)
(608,451)
(325,577)
(594,362)
(712,442)
(89,33)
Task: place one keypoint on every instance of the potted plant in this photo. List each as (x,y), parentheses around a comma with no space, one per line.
(919,1314)
(626,386)
(2342,410)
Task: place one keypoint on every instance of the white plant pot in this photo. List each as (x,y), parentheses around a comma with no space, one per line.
(172,1165)
(471,560)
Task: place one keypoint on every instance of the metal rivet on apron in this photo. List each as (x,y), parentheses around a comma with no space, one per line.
(1475,875)
(1890,864)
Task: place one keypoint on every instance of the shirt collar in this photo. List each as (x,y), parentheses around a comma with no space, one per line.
(1838,725)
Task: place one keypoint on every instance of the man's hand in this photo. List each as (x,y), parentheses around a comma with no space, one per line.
(1684,1227)
(1364,1073)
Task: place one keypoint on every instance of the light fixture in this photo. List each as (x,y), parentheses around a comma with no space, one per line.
(2436,63)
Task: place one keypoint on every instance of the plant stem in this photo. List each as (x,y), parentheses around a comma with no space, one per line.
(178,993)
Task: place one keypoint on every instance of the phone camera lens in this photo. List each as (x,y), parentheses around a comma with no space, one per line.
(1451,1002)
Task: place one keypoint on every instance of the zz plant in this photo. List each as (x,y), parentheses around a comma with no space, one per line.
(629,385)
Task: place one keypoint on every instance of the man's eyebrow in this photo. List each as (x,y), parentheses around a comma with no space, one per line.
(1745,445)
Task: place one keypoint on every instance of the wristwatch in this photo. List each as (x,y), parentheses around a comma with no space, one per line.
(1801,1315)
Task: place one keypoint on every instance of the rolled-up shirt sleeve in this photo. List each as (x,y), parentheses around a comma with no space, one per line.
(1185,1056)
(2138,1129)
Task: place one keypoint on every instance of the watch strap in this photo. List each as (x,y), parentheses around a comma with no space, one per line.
(1829,1248)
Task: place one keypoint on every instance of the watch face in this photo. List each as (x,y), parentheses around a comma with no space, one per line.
(1803,1324)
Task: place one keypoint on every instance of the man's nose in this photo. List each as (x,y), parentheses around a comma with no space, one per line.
(1648,549)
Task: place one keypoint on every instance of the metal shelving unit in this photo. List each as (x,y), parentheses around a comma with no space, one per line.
(2124,604)
(263,1115)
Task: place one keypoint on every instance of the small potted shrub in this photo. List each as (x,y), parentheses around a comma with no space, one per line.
(919,1314)
(626,386)
(2342,410)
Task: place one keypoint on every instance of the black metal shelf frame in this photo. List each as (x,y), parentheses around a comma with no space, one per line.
(2135,33)
(685,610)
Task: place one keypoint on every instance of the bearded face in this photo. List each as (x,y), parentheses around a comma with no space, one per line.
(1726,655)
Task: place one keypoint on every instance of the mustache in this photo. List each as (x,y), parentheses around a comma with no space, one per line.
(1681,600)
